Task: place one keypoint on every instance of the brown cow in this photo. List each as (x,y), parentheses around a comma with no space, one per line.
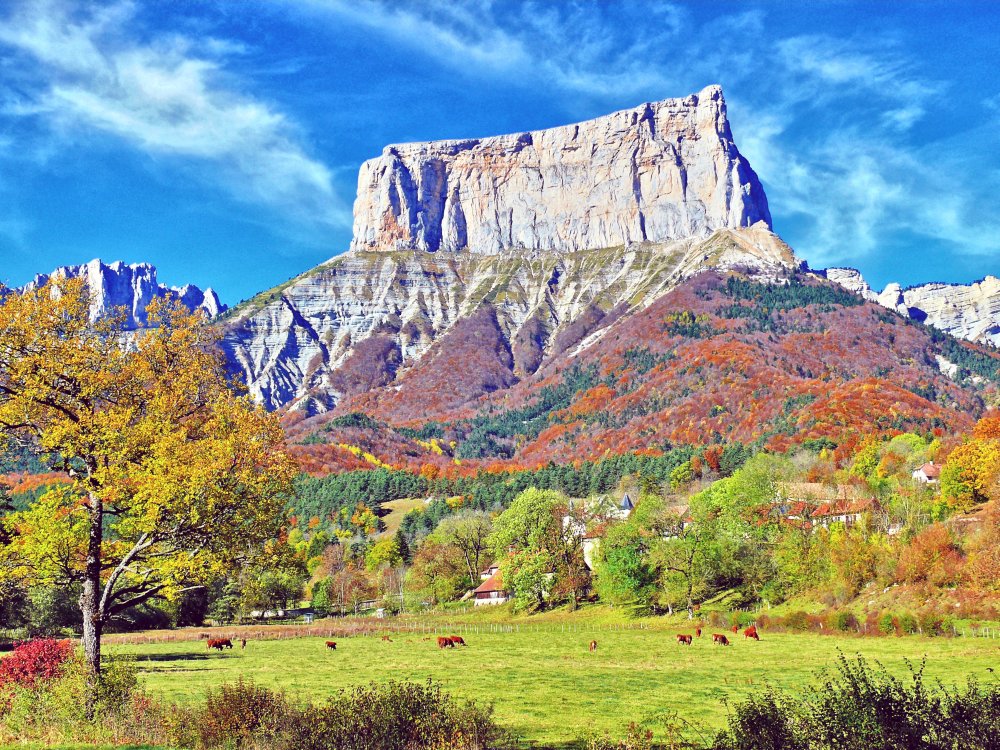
(219,643)
(331,644)
(386,638)
(720,639)
(735,629)
(445,642)
(697,632)
(458,641)
(593,646)
(243,644)
(682,638)
(751,632)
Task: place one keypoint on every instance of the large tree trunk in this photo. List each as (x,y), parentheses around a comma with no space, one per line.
(90,603)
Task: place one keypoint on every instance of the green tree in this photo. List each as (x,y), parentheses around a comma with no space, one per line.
(385,553)
(624,571)
(438,572)
(468,533)
(172,477)
(539,543)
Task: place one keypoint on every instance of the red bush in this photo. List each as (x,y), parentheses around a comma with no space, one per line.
(34,661)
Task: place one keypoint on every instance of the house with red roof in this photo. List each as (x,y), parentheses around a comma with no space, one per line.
(491,591)
(929,473)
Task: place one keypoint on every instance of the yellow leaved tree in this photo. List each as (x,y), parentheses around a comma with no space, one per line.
(172,476)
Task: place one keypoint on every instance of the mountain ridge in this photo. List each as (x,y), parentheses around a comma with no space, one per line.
(968,311)
(131,287)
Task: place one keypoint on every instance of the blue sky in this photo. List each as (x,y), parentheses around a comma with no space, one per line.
(221,140)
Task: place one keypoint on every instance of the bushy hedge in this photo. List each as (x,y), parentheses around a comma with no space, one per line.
(861,706)
(247,716)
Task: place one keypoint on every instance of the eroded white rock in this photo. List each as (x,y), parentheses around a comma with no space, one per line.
(658,172)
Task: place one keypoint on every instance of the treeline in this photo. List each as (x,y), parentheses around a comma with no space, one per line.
(325,498)
(768,299)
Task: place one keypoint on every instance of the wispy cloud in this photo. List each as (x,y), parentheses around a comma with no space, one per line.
(563,44)
(171,96)
(830,123)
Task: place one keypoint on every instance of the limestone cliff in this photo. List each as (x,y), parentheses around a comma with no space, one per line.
(130,287)
(661,171)
(966,311)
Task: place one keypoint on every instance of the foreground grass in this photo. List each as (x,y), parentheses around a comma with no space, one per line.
(546,685)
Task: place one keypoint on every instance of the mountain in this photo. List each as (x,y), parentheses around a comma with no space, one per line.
(553,231)
(594,289)
(662,171)
(966,311)
(131,287)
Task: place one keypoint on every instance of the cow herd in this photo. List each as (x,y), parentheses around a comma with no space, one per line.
(720,638)
(450,641)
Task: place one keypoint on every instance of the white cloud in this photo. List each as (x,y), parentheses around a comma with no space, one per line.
(170,97)
(574,46)
(827,122)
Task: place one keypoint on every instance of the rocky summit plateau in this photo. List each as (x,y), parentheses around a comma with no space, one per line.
(659,172)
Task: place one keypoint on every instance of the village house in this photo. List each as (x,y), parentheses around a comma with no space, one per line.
(848,513)
(929,473)
(491,591)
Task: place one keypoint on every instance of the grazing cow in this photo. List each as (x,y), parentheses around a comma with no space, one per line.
(331,644)
(720,639)
(243,644)
(219,643)
(685,639)
(593,646)
(697,632)
(386,638)
(735,629)
(751,632)
(445,642)
(458,641)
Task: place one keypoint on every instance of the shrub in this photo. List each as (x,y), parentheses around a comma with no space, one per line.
(636,738)
(797,620)
(396,715)
(861,706)
(241,712)
(34,661)
(843,620)
(766,721)
(930,623)
(887,623)
(908,623)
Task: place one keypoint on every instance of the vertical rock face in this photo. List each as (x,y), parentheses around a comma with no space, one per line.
(131,287)
(967,311)
(659,172)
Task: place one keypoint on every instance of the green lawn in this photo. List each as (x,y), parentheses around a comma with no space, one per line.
(546,685)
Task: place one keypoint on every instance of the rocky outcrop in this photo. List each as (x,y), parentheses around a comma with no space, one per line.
(659,172)
(131,288)
(308,342)
(966,311)
(535,239)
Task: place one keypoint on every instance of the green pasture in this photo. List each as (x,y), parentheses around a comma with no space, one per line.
(545,684)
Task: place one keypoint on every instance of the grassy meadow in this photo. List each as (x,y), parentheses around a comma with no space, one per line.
(544,682)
